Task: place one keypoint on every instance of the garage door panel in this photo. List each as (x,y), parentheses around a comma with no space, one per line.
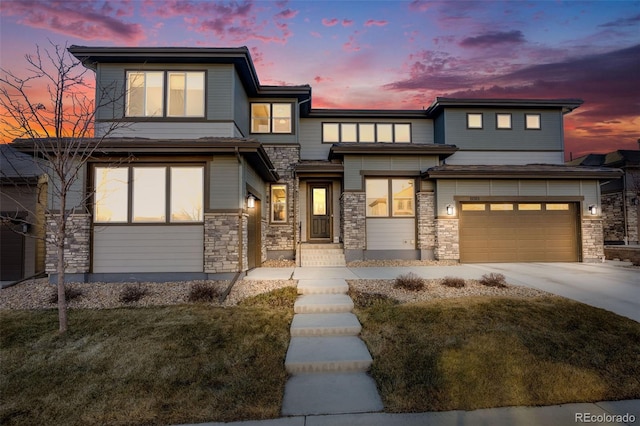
(519,235)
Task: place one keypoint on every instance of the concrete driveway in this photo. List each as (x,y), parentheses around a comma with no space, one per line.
(610,285)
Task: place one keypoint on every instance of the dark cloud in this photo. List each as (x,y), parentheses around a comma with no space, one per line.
(622,22)
(493,38)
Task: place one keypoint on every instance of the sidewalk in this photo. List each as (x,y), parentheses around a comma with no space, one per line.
(556,415)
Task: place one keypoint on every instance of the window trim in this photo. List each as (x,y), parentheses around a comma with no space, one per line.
(390,198)
(272,204)
(375,125)
(168,90)
(481,115)
(271,118)
(526,124)
(167,188)
(165,97)
(506,114)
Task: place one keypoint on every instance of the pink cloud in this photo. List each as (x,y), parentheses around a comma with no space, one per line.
(351,45)
(319,79)
(419,6)
(86,21)
(315,34)
(347,22)
(374,23)
(330,22)
(287,14)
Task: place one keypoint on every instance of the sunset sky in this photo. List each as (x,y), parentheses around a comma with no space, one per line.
(385,54)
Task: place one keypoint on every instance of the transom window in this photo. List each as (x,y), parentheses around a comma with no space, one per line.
(271,118)
(146,94)
(149,194)
(366,132)
(379,193)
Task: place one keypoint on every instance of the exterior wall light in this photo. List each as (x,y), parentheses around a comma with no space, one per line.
(450,210)
(593,210)
(251,201)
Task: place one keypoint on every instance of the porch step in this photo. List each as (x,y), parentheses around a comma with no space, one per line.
(322,255)
(323,303)
(342,324)
(327,354)
(328,286)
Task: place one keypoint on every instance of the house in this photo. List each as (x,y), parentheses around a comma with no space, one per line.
(620,197)
(223,173)
(22,192)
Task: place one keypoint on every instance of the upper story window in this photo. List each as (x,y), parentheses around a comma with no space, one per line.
(503,121)
(184,94)
(474,120)
(271,118)
(366,132)
(532,121)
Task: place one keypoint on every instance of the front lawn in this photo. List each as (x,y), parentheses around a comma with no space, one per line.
(478,352)
(159,365)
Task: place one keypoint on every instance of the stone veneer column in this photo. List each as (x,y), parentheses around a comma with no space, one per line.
(221,242)
(353,220)
(633,233)
(77,247)
(592,240)
(613,216)
(447,239)
(426,225)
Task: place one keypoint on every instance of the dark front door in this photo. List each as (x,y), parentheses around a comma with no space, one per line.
(253,236)
(320,211)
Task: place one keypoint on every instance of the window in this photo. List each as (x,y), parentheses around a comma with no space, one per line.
(529,206)
(271,118)
(474,121)
(145,93)
(186,94)
(146,197)
(278,203)
(557,206)
(503,121)
(401,192)
(532,121)
(366,132)
(501,207)
(473,207)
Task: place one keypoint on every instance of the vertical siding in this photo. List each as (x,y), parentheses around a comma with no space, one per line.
(391,234)
(224,186)
(119,249)
(251,178)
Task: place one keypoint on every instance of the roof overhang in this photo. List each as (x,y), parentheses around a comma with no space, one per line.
(319,168)
(249,149)
(339,150)
(565,105)
(528,171)
(365,114)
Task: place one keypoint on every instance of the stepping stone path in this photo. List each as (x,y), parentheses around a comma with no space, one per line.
(326,359)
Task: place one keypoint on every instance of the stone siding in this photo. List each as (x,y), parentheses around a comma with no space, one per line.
(592,240)
(613,217)
(221,242)
(77,247)
(447,239)
(353,220)
(283,236)
(426,224)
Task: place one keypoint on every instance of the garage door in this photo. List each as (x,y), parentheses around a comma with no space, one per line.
(11,254)
(518,232)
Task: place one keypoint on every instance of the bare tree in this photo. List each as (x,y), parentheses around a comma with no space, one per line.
(49,112)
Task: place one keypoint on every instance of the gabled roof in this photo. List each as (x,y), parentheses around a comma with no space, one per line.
(240,57)
(566,105)
(528,171)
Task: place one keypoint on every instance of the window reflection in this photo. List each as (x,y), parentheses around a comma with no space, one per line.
(149,190)
(278,203)
(186,194)
(402,197)
(111,194)
(377,193)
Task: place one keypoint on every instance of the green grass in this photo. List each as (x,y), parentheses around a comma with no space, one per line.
(165,365)
(484,352)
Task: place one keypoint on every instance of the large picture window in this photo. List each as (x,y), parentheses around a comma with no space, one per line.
(271,118)
(184,94)
(390,197)
(279,203)
(149,194)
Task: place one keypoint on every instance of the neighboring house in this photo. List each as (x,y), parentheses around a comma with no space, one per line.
(22,203)
(620,197)
(223,173)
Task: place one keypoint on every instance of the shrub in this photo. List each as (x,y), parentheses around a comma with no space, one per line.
(368,300)
(410,282)
(493,280)
(70,293)
(132,294)
(281,298)
(201,292)
(453,282)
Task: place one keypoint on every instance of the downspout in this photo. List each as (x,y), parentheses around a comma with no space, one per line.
(240,209)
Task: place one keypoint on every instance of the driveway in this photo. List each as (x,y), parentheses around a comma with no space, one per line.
(609,286)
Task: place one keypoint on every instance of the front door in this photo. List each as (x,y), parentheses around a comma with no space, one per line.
(320,211)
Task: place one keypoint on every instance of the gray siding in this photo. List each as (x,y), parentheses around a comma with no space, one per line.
(506,157)
(439,130)
(76,197)
(276,137)
(170,130)
(241,107)
(220,94)
(448,189)
(119,249)
(354,164)
(391,234)
(224,186)
(549,137)
(252,178)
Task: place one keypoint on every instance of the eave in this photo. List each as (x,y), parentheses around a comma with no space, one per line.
(529,171)
(339,150)
(250,149)
(566,105)
(373,114)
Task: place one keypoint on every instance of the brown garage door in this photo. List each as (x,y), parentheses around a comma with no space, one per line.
(518,232)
